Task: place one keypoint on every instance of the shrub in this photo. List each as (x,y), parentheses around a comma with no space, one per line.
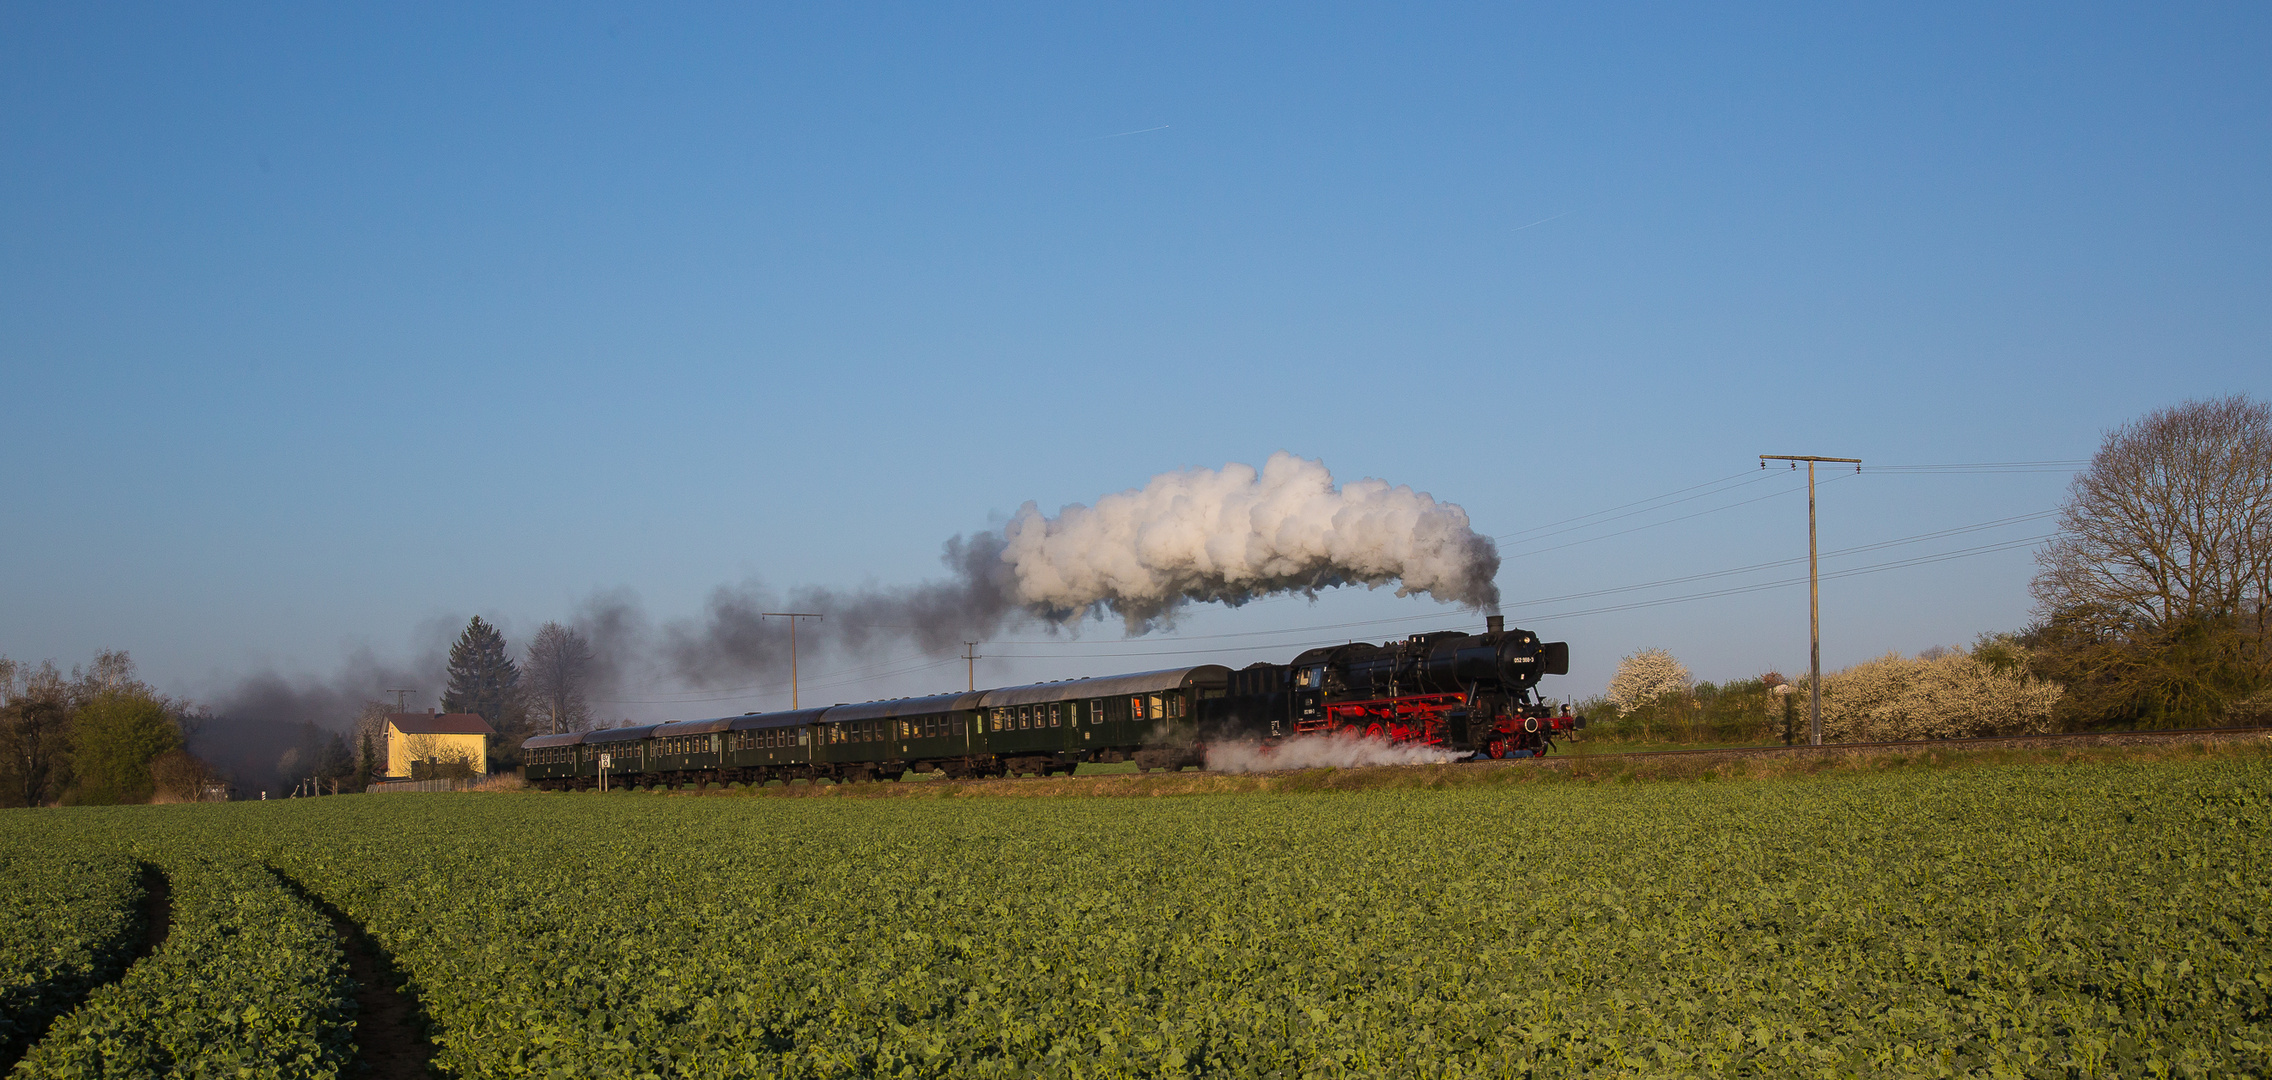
(1952,695)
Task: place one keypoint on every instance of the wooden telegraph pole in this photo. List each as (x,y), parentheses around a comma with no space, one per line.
(1814,592)
(970,662)
(792,616)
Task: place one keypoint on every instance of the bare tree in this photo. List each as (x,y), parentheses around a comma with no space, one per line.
(558,668)
(35,715)
(2154,595)
(2172,521)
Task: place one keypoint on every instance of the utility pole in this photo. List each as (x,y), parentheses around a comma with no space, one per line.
(399,706)
(970,658)
(1814,591)
(792,616)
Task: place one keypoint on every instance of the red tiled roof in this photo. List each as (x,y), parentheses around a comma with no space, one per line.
(449,723)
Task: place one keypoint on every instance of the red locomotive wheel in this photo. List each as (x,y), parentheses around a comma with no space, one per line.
(1372,731)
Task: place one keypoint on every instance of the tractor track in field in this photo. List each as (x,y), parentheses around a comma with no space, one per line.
(157,922)
(390,1022)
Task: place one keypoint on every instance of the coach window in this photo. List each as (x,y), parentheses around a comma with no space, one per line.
(1096,711)
(1157,713)
(1053,714)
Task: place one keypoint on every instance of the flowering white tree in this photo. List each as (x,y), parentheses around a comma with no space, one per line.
(1952,695)
(1646,676)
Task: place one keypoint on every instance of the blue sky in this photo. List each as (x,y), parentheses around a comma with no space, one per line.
(324,327)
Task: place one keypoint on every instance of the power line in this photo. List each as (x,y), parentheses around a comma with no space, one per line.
(1658,524)
(2065,465)
(1393,619)
(1637,502)
(1919,538)
(1921,560)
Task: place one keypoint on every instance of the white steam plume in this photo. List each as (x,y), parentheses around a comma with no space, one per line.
(1338,750)
(1227,535)
(1231,535)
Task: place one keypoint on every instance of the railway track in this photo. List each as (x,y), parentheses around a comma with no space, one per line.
(2081,738)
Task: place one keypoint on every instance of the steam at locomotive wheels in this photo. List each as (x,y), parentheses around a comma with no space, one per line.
(1470,694)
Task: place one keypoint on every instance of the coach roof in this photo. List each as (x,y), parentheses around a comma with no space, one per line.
(539,742)
(618,734)
(1142,682)
(786,718)
(909,706)
(692,727)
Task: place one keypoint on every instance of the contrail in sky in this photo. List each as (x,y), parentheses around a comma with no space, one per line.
(1138,131)
(1540,221)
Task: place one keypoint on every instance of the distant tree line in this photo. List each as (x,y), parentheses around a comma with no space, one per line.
(543,693)
(94,737)
(99,735)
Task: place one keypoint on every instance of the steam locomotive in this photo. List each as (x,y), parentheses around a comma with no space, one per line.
(1472,694)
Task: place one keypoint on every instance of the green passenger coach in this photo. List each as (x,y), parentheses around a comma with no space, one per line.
(1044,728)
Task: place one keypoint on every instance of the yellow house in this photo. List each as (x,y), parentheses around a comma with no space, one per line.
(436,740)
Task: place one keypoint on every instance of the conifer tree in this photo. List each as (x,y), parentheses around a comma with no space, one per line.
(483,678)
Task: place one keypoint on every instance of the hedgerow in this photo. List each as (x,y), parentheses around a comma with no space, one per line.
(69,921)
(249,984)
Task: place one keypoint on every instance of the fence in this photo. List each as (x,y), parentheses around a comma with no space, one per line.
(462,783)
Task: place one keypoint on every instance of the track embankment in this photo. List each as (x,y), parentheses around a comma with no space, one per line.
(1575,762)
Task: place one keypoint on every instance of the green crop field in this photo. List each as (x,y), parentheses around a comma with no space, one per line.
(2055,921)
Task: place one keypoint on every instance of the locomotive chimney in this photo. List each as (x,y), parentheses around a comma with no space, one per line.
(1494,624)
